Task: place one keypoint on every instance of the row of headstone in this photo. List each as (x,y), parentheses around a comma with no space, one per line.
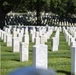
(72,31)
(66,23)
(41,36)
(17,42)
(55,40)
(25,19)
(8,30)
(6,37)
(39,49)
(40,55)
(71,41)
(68,37)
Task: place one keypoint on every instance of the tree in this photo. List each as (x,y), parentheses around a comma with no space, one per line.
(21,5)
(63,7)
(60,7)
(5,7)
(39,6)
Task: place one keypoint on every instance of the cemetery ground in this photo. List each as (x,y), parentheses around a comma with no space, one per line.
(59,61)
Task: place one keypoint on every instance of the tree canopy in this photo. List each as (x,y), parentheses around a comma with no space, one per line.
(60,7)
(63,7)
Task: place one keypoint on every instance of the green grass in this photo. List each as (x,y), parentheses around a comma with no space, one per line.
(59,61)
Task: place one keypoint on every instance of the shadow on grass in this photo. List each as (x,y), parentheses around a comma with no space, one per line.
(3,44)
(9,51)
(18,60)
(1,40)
(65,72)
(50,50)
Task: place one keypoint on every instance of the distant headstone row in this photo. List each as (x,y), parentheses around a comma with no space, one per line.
(71,39)
(46,18)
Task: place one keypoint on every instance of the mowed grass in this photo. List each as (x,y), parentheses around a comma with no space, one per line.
(59,61)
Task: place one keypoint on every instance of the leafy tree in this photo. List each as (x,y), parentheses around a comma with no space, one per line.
(60,7)
(63,7)
(39,6)
(5,7)
(22,6)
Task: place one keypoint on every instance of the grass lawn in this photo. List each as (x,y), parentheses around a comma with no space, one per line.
(59,61)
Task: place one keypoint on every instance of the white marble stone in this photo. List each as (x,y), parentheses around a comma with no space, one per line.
(40,56)
(73,60)
(72,39)
(26,38)
(42,39)
(40,32)
(33,37)
(8,30)
(37,40)
(73,43)
(18,30)
(15,33)
(4,37)
(15,44)
(37,34)
(20,36)
(69,39)
(22,31)
(75,34)
(54,44)
(2,32)
(26,30)
(24,52)
(9,40)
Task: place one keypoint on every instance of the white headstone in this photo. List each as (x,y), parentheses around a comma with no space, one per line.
(26,38)
(15,44)
(33,37)
(2,32)
(20,36)
(74,43)
(40,56)
(54,44)
(8,30)
(24,52)
(9,40)
(73,60)
(37,40)
(14,33)
(43,39)
(4,38)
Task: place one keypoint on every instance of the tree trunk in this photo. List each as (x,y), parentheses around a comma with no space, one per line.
(38,12)
(2,18)
(3,11)
(38,18)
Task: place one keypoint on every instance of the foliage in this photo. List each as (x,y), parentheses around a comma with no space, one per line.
(60,7)
(63,7)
